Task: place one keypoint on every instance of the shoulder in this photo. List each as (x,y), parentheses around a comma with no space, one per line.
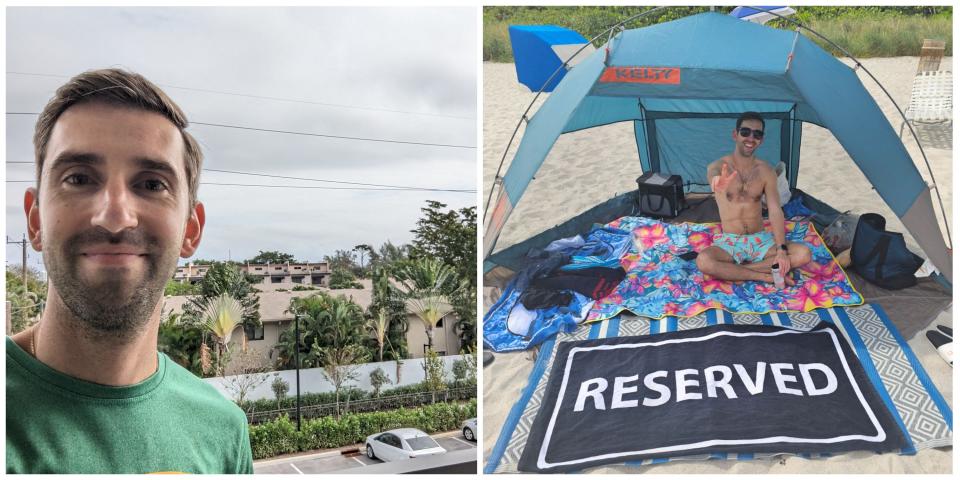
(201,397)
(22,338)
(765,170)
(720,160)
(716,164)
(214,414)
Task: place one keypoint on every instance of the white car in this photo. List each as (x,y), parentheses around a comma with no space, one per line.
(401,444)
(470,429)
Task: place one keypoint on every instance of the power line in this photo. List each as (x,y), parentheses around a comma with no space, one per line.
(314,187)
(279,99)
(308,179)
(308,134)
(341,137)
(399,187)
(341,188)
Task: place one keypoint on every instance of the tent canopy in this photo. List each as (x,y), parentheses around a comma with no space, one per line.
(690,79)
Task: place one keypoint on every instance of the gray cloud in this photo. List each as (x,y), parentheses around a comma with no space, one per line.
(410,59)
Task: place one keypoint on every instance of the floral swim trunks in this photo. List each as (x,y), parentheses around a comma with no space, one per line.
(745,248)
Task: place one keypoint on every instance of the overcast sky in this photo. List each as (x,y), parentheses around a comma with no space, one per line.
(420,60)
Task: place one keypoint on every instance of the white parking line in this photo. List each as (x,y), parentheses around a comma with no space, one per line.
(359,461)
(297,469)
(470,444)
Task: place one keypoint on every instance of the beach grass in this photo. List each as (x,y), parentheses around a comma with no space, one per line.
(889,36)
(864,32)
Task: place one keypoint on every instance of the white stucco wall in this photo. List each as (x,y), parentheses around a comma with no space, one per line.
(313,381)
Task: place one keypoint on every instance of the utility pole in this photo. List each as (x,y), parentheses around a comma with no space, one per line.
(23,273)
(296,360)
(23,258)
(23,262)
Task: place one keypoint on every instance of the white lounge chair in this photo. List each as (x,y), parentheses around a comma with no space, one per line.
(931,98)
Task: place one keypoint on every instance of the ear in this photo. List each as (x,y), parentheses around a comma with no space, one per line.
(193,232)
(31,207)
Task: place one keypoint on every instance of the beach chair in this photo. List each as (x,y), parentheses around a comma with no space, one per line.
(931,52)
(931,99)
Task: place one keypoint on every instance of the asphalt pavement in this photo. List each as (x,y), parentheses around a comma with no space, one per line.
(331,461)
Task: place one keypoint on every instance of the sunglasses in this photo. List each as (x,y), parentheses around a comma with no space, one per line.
(745,133)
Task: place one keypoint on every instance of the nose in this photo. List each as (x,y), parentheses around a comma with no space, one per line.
(115,211)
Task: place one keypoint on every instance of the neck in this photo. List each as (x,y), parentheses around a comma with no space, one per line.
(65,344)
(739,160)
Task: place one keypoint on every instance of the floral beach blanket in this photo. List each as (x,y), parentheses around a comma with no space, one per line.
(660,283)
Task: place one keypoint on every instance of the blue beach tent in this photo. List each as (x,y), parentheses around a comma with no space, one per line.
(539,50)
(690,79)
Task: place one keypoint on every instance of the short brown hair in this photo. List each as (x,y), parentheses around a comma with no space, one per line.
(751,116)
(118,87)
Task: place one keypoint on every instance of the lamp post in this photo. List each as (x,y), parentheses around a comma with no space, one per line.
(296,360)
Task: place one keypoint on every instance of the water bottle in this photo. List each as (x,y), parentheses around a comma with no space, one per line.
(777,277)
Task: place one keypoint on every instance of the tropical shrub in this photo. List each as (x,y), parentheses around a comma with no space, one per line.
(280,436)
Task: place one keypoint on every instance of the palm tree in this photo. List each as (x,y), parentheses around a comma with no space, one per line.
(379,326)
(385,300)
(341,324)
(223,278)
(326,321)
(181,341)
(309,310)
(220,317)
(465,306)
(426,285)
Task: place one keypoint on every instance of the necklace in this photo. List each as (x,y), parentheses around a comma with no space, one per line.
(33,340)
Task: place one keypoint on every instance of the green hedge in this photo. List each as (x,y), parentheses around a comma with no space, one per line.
(280,436)
(353,394)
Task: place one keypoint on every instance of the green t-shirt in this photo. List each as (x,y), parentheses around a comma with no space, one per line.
(170,422)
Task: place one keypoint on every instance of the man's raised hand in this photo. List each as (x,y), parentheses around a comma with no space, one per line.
(722,181)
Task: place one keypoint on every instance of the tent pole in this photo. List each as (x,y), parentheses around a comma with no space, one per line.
(900,111)
(486,208)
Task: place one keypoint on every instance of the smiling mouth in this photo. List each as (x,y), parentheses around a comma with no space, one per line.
(113,258)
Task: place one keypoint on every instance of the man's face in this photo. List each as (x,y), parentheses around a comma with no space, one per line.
(749,144)
(113,213)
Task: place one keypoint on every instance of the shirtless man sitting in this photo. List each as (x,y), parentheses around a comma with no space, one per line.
(745,251)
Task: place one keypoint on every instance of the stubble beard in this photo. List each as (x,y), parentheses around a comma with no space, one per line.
(115,307)
(744,152)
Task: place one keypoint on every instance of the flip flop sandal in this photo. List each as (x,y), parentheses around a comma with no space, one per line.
(487,358)
(943,344)
(947,330)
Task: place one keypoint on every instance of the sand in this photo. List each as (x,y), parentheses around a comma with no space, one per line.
(566,185)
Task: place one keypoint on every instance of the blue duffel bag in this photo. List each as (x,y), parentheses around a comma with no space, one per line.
(882,257)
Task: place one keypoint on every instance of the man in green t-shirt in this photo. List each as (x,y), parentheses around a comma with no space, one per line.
(114,207)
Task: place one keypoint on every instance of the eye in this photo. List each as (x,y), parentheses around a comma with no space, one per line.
(77,179)
(155,185)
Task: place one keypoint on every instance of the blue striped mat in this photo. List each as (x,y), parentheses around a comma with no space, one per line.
(896,374)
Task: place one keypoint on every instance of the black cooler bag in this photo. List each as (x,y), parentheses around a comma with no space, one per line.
(881,257)
(662,200)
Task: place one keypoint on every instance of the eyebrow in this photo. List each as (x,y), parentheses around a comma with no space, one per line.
(69,158)
(161,166)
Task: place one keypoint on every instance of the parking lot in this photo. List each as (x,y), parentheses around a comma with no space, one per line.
(332,461)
